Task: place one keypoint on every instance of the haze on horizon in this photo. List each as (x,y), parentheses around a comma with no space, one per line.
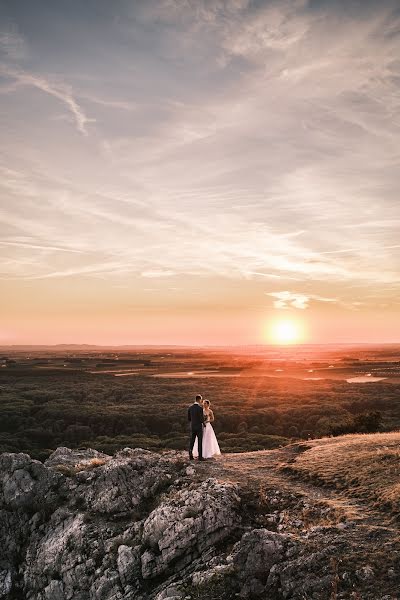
(192,171)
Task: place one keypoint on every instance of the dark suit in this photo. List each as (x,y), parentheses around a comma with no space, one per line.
(196,419)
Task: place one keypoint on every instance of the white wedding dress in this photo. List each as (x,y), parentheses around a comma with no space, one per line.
(210,443)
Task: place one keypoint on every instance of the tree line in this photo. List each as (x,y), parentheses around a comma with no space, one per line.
(40,413)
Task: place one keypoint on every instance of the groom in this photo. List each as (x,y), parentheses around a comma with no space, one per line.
(196,420)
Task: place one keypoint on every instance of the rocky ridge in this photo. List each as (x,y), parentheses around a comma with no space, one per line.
(141,525)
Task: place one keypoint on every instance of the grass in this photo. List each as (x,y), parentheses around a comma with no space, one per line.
(85,465)
(365,465)
(88,465)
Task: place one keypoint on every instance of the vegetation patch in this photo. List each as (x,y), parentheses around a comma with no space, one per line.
(367,466)
(44,410)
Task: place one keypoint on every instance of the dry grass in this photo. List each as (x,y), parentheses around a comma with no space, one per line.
(364,465)
(66,470)
(88,465)
(84,465)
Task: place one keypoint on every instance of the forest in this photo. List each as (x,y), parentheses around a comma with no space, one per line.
(44,410)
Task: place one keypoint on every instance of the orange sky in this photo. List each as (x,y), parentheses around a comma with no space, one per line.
(60,314)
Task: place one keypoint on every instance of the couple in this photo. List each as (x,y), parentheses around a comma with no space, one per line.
(203,442)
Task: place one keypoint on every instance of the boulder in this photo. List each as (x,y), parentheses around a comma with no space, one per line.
(254,556)
(188,523)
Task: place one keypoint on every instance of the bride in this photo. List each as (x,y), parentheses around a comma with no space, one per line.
(210,444)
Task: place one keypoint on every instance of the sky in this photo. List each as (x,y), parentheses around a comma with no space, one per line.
(195,171)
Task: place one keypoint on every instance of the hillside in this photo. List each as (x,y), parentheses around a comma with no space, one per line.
(313,520)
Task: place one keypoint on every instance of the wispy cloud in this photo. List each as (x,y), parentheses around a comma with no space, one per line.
(58,90)
(92,269)
(39,247)
(286,300)
(157,274)
(245,143)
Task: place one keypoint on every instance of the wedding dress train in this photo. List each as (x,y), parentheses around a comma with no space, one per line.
(210,443)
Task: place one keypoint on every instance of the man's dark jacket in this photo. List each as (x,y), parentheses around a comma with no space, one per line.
(196,417)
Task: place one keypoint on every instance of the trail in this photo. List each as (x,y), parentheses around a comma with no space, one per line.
(267,469)
(363,538)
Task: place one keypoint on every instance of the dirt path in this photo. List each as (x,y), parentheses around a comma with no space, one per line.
(264,471)
(364,541)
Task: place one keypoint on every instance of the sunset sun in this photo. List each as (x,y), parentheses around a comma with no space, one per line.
(285,331)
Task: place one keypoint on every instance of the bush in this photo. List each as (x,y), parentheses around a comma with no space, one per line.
(370,422)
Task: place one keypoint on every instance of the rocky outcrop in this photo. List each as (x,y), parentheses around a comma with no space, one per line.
(188,523)
(147,526)
(85,525)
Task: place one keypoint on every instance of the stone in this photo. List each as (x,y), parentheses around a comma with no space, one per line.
(136,526)
(188,523)
(254,556)
(71,547)
(128,563)
(5,582)
(307,575)
(206,577)
(54,591)
(365,573)
(172,592)
(67,457)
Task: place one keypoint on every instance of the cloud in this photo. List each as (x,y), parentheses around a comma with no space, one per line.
(288,299)
(272,275)
(109,103)
(95,269)
(285,300)
(58,90)
(278,26)
(155,274)
(238,141)
(39,247)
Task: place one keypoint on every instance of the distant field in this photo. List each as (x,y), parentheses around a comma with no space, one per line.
(310,363)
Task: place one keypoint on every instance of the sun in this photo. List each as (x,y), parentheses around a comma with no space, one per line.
(285,331)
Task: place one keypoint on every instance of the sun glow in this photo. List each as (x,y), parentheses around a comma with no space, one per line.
(285,331)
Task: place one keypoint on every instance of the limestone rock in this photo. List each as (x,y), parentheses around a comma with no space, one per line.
(254,556)
(26,483)
(69,534)
(140,526)
(307,575)
(67,457)
(128,563)
(5,583)
(188,523)
(121,485)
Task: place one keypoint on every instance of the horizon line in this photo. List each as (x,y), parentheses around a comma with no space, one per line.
(199,346)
